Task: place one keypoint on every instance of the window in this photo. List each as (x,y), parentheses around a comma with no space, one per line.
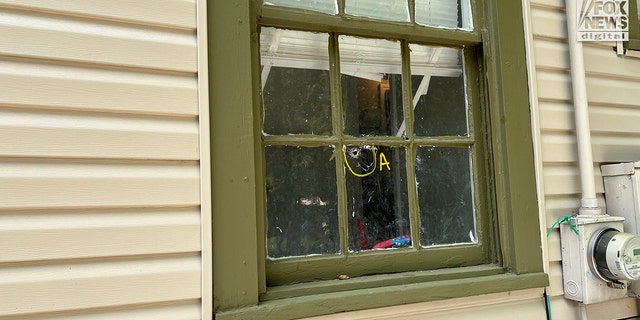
(371,164)
(388,143)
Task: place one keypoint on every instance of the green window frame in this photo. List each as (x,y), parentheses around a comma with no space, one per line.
(245,283)
(634,27)
(292,270)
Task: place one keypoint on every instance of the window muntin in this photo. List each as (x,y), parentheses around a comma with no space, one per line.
(452,14)
(380,162)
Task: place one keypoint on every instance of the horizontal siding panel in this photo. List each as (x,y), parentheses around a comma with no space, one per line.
(551,54)
(548,23)
(557,4)
(189,310)
(176,13)
(563,148)
(557,206)
(615,120)
(607,91)
(559,148)
(65,87)
(565,180)
(25,34)
(61,287)
(84,234)
(599,60)
(554,86)
(51,134)
(556,117)
(26,185)
(616,148)
(604,61)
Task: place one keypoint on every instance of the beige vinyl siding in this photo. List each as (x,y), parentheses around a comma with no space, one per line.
(100,160)
(614,108)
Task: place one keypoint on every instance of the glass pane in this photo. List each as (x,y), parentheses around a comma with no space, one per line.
(302,216)
(445,196)
(295,82)
(377,197)
(324,6)
(394,10)
(439,98)
(444,13)
(371,86)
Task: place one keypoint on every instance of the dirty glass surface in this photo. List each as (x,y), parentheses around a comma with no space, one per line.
(302,214)
(377,197)
(371,86)
(394,10)
(324,6)
(301,182)
(445,196)
(439,98)
(295,77)
(455,14)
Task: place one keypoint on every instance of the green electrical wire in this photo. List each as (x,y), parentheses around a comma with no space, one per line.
(561,220)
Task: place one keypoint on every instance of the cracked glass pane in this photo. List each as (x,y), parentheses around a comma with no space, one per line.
(377,197)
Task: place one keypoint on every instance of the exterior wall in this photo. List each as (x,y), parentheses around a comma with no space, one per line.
(614,107)
(100,175)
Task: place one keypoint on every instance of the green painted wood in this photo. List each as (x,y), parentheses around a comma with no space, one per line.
(302,269)
(328,303)
(232,94)
(290,18)
(634,27)
(375,281)
(512,144)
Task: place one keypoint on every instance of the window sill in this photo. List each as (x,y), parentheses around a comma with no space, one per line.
(319,298)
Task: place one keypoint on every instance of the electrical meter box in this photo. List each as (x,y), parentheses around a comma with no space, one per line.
(622,193)
(580,275)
